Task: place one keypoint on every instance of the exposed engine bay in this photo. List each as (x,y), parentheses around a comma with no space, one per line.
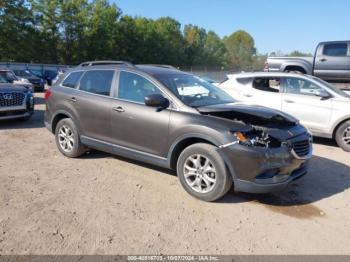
(268,127)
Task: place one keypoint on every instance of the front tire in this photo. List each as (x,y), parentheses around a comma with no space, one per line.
(67,139)
(342,136)
(202,172)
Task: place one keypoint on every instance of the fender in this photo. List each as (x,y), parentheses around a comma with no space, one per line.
(191,135)
(213,141)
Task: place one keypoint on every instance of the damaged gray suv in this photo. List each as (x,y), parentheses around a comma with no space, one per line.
(165,117)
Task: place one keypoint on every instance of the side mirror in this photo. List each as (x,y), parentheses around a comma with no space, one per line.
(157,100)
(322,93)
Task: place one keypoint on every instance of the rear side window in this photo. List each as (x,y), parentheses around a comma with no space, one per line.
(340,49)
(97,82)
(72,80)
(267,84)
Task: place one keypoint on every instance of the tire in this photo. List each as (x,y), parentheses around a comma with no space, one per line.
(67,139)
(211,191)
(342,132)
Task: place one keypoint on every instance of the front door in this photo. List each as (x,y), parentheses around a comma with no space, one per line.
(300,100)
(136,126)
(332,61)
(264,91)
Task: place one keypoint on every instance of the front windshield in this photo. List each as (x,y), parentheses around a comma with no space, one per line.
(331,87)
(194,91)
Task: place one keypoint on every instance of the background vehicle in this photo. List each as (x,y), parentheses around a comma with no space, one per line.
(321,107)
(37,82)
(16,101)
(10,77)
(172,119)
(330,62)
(47,75)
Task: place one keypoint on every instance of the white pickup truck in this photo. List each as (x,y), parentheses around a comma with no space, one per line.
(330,62)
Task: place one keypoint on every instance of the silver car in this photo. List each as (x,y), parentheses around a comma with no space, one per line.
(321,107)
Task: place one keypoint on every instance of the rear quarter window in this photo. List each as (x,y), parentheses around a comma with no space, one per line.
(72,79)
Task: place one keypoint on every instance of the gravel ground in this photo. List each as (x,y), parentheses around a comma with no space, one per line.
(103,204)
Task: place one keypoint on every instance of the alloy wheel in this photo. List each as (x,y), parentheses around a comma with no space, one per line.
(200,173)
(346,135)
(66,138)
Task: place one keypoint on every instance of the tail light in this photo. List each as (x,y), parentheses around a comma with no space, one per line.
(266,67)
(47,94)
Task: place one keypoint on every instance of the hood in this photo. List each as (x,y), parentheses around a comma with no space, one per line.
(5,88)
(256,115)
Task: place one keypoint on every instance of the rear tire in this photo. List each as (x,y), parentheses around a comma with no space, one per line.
(202,172)
(68,139)
(342,136)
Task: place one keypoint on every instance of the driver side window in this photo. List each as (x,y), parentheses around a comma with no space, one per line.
(300,86)
(133,87)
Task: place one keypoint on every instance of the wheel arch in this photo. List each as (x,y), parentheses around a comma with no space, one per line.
(339,123)
(295,68)
(59,115)
(183,142)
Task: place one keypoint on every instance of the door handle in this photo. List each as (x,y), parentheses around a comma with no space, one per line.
(247,95)
(323,60)
(73,99)
(289,101)
(118,109)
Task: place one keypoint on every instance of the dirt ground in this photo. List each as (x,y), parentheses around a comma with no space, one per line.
(103,204)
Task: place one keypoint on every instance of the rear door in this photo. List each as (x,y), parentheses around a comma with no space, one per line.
(300,101)
(93,103)
(332,61)
(264,91)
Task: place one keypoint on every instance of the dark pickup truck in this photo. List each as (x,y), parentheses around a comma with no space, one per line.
(330,62)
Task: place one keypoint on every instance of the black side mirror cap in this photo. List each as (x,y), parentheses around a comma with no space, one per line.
(157,100)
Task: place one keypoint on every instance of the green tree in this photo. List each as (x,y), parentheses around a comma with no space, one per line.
(240,50)
(195,38)
(171,42)
(17,32)
(214,50)
(101,30)
(73,25)
(47,15)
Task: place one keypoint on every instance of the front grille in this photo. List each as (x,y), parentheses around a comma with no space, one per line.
(301,148)
(11,99)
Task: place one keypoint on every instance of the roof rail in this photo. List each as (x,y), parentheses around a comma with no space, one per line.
(106,62)
(159,65)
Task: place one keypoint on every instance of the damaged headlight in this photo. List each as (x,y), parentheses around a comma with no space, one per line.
(256,137)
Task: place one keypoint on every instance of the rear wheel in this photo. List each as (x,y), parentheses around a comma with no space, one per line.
(67,138)
(203,173)
(342,136)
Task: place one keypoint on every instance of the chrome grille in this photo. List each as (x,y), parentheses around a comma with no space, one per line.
(11,99)
(302,148)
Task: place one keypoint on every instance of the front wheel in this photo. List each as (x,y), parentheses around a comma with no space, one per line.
(203,173)
(342,136)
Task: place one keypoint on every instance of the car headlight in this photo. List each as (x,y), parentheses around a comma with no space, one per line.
(256,137)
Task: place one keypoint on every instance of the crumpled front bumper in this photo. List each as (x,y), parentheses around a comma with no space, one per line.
(263,170)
